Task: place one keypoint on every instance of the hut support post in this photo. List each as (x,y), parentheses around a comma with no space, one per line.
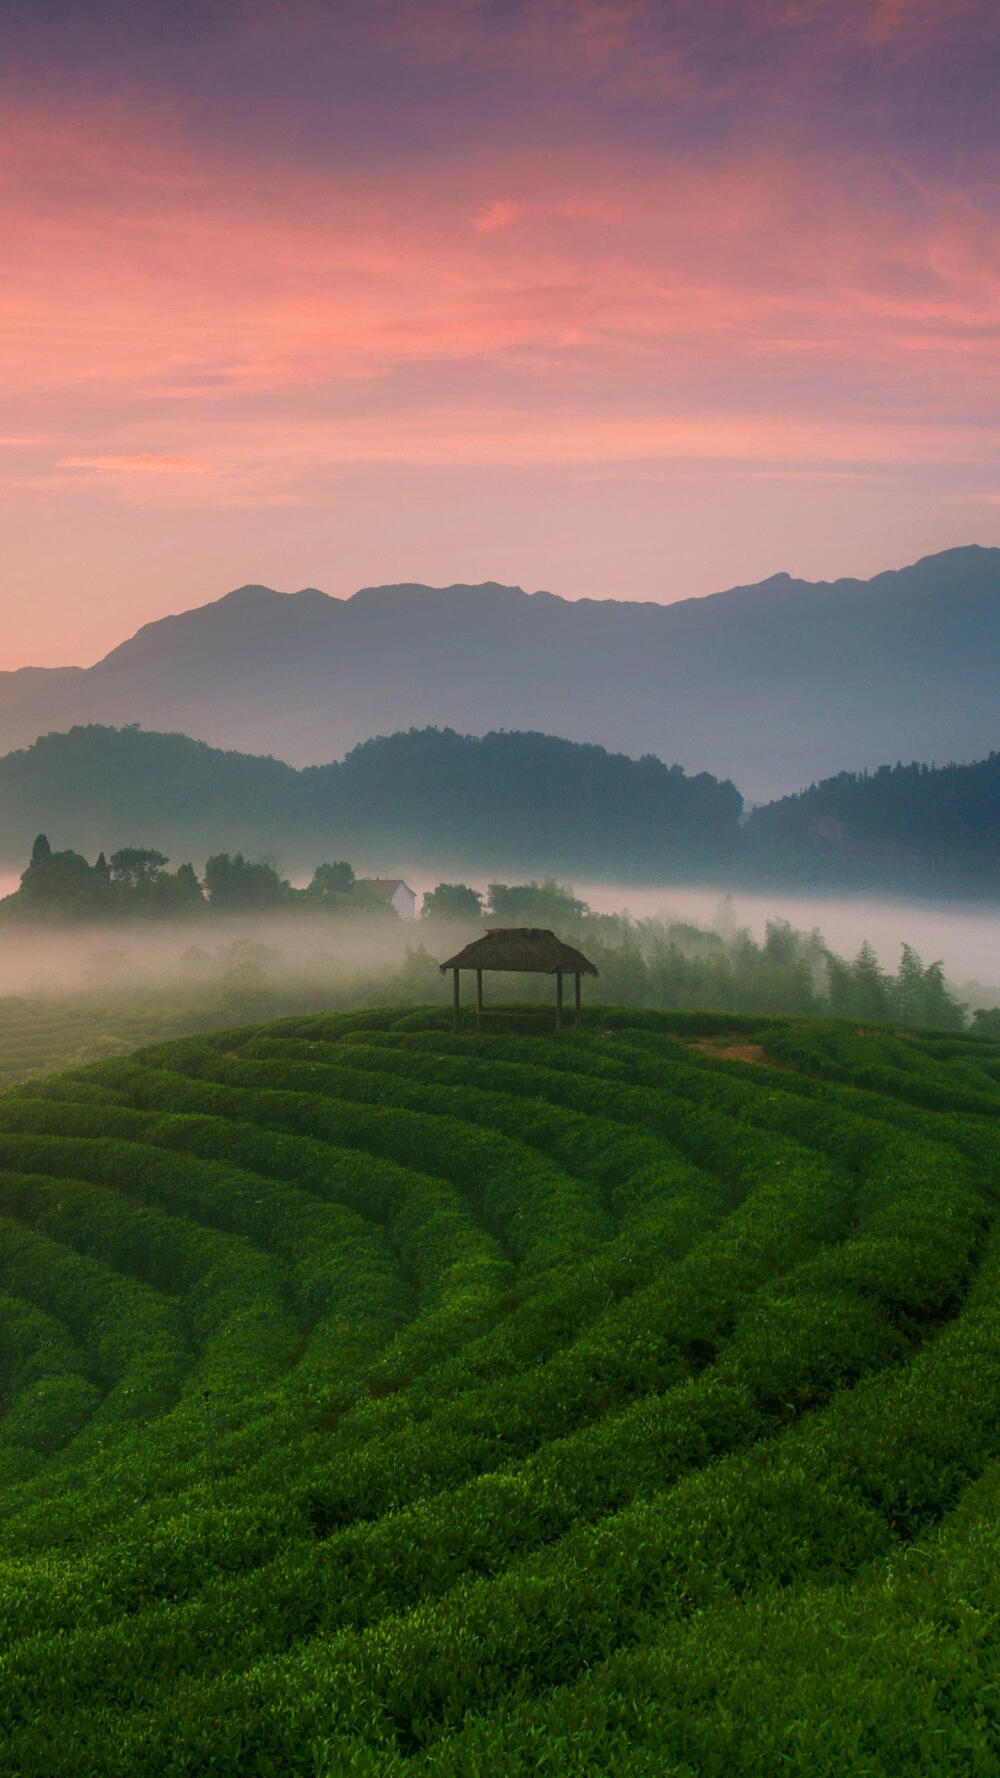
(559,999)
(479,998)
(576,983)
(455,1001)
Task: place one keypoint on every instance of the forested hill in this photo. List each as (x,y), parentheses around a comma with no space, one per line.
(787,679)
(916,826)
(428,796)
(510,801)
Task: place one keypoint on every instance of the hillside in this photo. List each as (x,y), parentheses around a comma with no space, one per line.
(428,797)
(908,826)
(791,679)
(442,802)
(386,1402)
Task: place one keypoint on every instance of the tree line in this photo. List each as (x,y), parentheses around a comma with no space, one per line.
(658,964)
(135,882)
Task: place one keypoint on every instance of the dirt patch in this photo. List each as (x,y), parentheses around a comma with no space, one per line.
(735,1052)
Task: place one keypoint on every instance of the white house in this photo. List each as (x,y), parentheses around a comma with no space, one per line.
(395,892)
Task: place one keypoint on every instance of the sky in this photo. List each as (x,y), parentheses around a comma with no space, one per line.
(631,299)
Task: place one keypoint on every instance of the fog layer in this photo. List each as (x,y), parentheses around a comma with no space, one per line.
(965,937)
(264,964)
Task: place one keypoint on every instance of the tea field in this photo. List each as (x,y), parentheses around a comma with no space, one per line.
(384,1402)
(39,1036)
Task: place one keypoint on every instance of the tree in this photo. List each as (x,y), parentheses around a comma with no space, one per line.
(331,883)
(869,991)
(534,904)
(170,893)
(452,901)
(188,884)
(137,867)
(61,885)
(781,943)
(237,885)
(839,986)
(910,994)
(939,1007)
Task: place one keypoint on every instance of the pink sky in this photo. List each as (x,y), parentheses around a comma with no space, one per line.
(617,299)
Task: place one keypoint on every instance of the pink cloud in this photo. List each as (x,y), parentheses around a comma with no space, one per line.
(917,20)
(136,463)
(191,332)
(500,214)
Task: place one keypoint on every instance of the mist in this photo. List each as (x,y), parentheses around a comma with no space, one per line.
(71,994)
(965,937)
(316,957)
(200,958)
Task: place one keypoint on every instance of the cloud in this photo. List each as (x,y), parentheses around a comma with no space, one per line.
(500,214)
(162,295)
(504,212)
(136,463)
(920,22)
(606,250)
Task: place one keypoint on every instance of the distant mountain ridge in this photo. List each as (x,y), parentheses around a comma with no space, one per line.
(787,680)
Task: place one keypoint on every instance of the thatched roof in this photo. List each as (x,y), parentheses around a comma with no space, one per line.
(524,948)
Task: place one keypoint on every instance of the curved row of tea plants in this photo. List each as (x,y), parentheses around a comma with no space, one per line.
(380,1400)
(39,1036)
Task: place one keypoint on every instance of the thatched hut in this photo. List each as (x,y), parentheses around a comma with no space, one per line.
(521,950)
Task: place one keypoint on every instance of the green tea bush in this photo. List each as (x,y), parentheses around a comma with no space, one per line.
(378,1400)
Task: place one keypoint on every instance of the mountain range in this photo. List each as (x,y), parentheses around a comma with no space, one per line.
(776,684)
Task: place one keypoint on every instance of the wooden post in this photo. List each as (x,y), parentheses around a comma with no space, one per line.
(558,999)
(577,983)
(454,1001)
(479,998)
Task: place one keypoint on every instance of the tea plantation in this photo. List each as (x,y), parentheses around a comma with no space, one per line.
(386,1402)
(38,1036)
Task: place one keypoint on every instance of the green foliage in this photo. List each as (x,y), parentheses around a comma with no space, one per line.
(136,867)
(452,901)
(62,886)
(235,884)
(534,904)
(417,795)
(331,884)
(915,996)
(386,1401)
(916,827)
(556,805)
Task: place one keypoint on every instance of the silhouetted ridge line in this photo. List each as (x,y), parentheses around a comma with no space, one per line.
(791,679)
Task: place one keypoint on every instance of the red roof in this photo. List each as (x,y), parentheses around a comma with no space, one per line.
(385,887)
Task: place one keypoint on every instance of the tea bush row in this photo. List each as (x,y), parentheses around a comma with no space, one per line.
(556,1385)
